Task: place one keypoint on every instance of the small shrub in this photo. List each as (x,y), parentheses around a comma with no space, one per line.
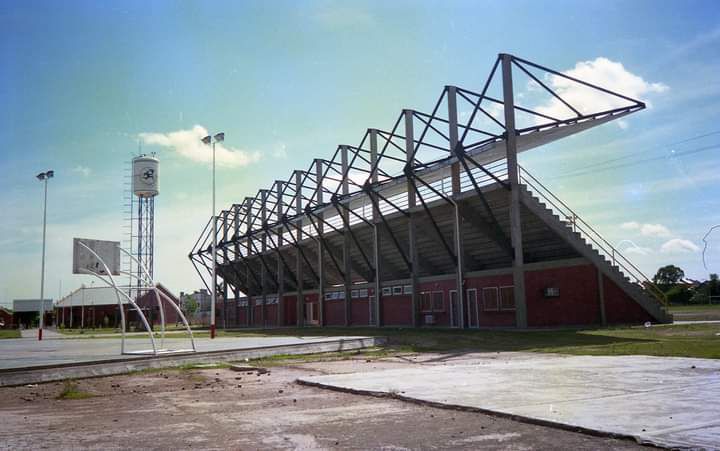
(70,391)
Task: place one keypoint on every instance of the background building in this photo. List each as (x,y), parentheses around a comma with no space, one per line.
(6,319)
(26,312)
(97,307)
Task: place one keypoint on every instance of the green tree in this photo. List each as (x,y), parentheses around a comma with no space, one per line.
(679,294)
(190,305)
(668,276)
(714,285)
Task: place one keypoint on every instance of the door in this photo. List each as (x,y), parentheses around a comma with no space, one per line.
(310,313)
(454,309)
(472,312)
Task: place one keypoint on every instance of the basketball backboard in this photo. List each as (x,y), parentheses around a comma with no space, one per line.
(84,261)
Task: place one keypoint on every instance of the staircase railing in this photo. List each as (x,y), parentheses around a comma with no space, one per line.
(590,234)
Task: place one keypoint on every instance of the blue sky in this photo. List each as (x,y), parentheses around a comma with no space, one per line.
(82,82)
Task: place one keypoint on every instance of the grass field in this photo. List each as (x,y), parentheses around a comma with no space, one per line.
(9,333)
(696,312)
(692,340)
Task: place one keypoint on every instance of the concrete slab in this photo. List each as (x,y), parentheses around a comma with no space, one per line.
(27,360)
(663,401)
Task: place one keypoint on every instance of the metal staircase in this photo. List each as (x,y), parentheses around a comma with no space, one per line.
(591,245)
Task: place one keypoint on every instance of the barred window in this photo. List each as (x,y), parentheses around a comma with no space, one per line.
(438,302)
(490,299)
(507,298)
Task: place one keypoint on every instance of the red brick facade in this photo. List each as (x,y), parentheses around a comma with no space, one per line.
(488,302)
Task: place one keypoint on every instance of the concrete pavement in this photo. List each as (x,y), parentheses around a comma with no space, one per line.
(665,401)
(27,360)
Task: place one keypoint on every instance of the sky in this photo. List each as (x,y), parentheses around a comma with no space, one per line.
(85,84)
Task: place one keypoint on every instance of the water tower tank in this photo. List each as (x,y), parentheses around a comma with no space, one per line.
(145,176)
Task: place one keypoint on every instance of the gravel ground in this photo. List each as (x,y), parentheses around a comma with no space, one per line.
(226,409)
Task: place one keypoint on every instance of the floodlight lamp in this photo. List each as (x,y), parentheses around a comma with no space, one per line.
(207,139)
(41,176)
(220,137)
(50,174)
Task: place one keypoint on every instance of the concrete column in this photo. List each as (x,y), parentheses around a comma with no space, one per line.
(226,227)
(601,297)
(514,179)
(321,247)
(300,307)
(455,177)
(280,319)
(412,201)
(376,232)
(263,249)
(346,238)
(249,310)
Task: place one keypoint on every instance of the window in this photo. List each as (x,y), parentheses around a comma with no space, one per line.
(490,299)
(363,293)
(397,290)
(432,301)
(437,300)
(328,296)
(407,289)
(386,291)
(354,294)
(507,298)
(426,301)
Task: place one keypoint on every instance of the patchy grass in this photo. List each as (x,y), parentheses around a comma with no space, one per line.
(367,354)
(71,391)
(9,333)
(183,367)
(702,312)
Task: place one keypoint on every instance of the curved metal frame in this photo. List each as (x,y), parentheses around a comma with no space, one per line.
(151,286)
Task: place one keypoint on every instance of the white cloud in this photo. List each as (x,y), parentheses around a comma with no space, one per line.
(657,230)
(634,248)
(678,246)
(84,170)
(632,225)
(187,144)
(601,72)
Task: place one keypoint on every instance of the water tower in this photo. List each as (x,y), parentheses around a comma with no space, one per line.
(145,188)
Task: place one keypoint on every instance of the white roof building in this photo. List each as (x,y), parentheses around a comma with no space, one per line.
(31,305)
(89,296)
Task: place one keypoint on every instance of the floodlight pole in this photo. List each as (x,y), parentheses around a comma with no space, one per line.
(43,176)
(207,140)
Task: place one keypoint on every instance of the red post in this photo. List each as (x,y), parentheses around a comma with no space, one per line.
(212,331)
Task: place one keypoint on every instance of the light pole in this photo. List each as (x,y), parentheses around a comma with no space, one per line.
(219,137)
(82,309)
(43,177)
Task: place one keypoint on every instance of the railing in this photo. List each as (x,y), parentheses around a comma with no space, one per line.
(590,234)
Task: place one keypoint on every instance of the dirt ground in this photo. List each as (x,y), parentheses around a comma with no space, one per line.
(220,408)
